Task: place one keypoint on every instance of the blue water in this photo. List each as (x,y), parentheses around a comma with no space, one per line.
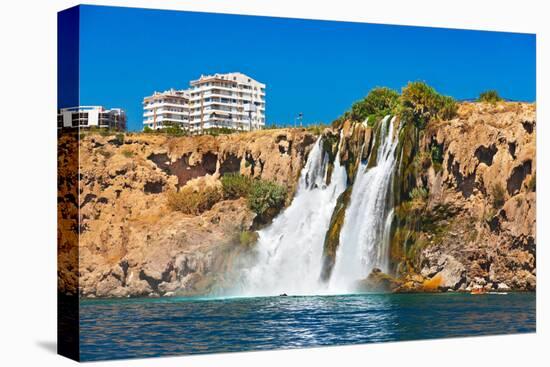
(129,328)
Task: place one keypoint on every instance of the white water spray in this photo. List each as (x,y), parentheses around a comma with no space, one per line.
(364,238)
(289,251)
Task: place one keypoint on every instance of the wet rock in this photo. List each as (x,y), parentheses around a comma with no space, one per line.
(377,281)
(452,274)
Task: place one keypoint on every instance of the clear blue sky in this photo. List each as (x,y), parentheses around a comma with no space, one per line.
(316,67)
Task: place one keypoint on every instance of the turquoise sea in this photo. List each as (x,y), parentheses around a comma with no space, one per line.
(150,327)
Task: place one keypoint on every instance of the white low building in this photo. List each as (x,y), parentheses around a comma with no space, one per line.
(91,116)
(232,100)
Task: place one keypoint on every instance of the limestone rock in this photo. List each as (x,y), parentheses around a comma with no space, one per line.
(131,243)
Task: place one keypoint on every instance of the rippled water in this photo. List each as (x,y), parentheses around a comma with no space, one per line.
(154,327)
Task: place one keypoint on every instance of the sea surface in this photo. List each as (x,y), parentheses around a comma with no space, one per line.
(130,328)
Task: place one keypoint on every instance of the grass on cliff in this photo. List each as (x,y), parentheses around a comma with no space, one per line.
(499,195)
(191,201)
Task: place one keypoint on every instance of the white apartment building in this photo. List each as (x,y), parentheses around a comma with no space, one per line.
(232,100)
(168,107)
(91,116)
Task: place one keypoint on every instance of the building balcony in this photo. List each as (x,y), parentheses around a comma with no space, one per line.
(159,105)
(161,112)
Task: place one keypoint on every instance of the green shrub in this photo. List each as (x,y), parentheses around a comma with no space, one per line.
(490,96)
(102,131)
(266,198)
(420,103)
(236,185)
(448,109)
(377,104)
(173,129)
(119,138)
(148,130)
(191,201)
(216,131)
(499,195)
(419,193)
(127,153)
(422,161)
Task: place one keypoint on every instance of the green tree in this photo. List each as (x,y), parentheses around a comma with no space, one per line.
(378,103)
(421,103)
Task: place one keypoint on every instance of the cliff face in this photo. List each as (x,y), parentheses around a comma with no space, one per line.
(486,188)
(132,244)
(464,201)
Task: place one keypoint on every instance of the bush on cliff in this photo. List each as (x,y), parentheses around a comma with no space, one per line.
(217,131)
(173,129)
(420,103)
(266,198)
(377,104)
(419,193)
(236,185)
(191,201)
(490,96)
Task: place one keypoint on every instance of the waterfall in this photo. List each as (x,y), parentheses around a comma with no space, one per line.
(288,257)
(289,252)
(364,238)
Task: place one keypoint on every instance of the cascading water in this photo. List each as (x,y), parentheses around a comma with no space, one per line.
(289,251)
(364,238)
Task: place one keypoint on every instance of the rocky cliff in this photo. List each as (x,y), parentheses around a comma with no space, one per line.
(464,198)
(131,243)
(464,201)
(482,200)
